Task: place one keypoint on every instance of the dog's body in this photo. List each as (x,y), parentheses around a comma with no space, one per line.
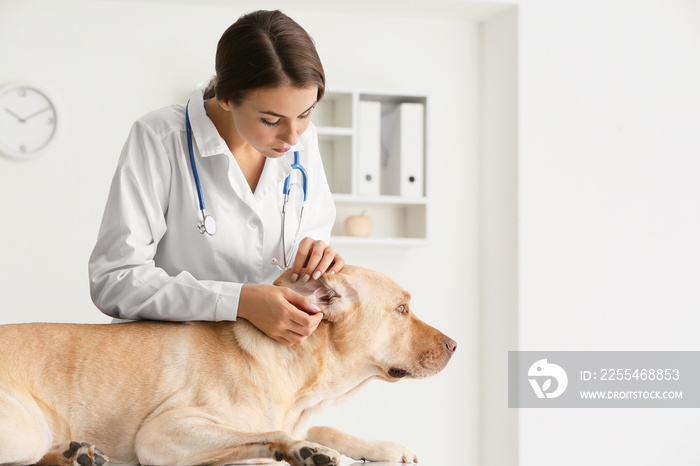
(209,393)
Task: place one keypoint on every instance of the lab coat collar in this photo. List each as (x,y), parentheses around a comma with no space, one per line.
(206,137)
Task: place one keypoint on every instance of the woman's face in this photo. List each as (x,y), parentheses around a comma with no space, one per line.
(272,119)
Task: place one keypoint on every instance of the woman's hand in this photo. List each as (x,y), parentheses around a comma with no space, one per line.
(313,259)
(279,312)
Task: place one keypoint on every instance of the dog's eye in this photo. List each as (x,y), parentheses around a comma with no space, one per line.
(403,309)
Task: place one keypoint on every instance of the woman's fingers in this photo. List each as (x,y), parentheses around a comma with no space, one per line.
(313,259)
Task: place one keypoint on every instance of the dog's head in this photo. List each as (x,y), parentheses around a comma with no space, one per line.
(371,322)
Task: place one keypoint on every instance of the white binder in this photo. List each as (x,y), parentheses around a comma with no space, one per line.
(403,145)
(369,147)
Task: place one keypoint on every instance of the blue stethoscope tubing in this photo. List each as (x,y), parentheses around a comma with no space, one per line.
(207,224)
(288,185)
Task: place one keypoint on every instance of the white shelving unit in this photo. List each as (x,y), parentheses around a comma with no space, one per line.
(399,212)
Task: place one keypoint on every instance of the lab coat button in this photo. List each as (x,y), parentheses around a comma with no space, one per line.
(254,223)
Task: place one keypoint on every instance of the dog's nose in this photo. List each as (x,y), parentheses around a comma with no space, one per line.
(451,345)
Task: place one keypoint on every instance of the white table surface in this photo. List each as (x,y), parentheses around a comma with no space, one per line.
(345,462)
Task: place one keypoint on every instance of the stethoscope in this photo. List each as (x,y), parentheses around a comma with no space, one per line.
(207,224)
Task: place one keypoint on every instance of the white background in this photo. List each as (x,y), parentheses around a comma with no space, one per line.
(597,193)
(609,211)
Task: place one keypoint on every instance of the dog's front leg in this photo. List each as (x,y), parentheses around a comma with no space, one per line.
(190,436)
(360,449)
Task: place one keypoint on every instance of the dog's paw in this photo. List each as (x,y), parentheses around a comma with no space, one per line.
(311,454)
(74,454)
(389,452)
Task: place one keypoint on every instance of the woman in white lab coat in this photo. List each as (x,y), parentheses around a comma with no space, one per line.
(151,261)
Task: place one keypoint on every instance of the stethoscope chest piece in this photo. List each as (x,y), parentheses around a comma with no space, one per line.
(207,224)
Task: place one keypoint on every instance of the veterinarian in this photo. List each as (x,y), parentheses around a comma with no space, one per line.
(156,259)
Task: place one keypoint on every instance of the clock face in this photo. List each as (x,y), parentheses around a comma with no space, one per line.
(27,121)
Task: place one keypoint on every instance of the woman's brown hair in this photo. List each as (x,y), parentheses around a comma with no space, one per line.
(265,49)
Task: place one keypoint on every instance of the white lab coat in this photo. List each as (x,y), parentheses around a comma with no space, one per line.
(151,262)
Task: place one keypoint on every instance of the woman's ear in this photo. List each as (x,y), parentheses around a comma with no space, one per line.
(225,104)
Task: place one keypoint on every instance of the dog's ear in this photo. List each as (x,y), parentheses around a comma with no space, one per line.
(330,293)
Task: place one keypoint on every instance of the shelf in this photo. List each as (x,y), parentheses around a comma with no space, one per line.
(374,153)
(401,221)
(335,110)
(387,200)
(371,241)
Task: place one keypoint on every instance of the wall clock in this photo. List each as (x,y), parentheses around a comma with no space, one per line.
(27,121)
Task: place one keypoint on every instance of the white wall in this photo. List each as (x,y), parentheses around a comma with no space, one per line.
(106,62)
(609,210)
(498,220)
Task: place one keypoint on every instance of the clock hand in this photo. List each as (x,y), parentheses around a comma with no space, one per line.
(21,120)
(35,114)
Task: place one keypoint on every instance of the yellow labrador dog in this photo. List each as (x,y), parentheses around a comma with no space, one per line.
(210,393)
